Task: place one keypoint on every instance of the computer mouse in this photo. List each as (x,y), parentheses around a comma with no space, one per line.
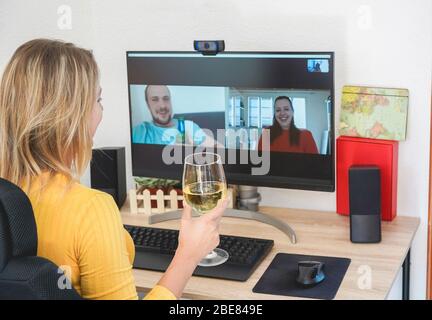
(310,272)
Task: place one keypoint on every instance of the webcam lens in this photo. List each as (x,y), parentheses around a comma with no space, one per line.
(206,45)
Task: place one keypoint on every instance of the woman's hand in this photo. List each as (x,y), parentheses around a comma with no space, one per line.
(199,236)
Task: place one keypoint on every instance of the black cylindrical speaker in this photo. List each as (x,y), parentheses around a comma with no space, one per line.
(365,204)
(108,172)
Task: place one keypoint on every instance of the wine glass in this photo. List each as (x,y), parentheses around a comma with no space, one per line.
(204,186)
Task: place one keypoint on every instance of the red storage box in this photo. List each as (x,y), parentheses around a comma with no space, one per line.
(362,151)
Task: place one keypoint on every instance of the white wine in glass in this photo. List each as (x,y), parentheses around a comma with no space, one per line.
(204,196)
(204,185)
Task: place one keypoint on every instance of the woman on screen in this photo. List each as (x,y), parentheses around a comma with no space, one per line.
(284,135)
(50,108)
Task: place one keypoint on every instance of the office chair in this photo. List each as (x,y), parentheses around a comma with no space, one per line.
(23,275)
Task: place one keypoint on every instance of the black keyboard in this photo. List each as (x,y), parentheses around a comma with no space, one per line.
(155,249)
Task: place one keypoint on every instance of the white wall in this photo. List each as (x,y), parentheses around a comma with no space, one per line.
(23,20)
(376,43)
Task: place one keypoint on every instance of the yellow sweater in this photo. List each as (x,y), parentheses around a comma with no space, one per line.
(80,229)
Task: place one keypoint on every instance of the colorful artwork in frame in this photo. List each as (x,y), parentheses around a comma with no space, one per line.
(376,113)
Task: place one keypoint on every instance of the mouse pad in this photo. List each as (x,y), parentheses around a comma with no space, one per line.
(280,277)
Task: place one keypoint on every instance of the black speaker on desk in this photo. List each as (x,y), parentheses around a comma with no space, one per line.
(108,172)
(365,204)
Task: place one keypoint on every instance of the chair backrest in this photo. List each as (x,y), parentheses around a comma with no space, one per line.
(18,236)
(23,275)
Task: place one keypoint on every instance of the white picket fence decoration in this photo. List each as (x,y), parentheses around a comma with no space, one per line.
(160,198)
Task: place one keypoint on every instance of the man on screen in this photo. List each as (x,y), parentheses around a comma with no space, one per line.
(164,129)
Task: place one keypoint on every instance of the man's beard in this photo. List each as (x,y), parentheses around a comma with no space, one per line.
(162,123)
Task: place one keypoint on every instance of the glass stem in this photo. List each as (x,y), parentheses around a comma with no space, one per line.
(211,255)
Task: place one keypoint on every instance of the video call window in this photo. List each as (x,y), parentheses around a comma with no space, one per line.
(252,97)
(162,115)
(318,65)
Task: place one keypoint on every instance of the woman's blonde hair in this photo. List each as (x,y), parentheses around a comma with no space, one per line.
(47,94)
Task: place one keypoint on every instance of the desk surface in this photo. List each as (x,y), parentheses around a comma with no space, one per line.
(318,233)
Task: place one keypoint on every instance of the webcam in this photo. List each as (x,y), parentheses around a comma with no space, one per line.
(209,47)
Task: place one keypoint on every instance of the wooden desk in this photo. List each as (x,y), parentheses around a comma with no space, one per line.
(318,233)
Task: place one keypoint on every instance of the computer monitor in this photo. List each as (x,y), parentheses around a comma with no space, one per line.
(273,112)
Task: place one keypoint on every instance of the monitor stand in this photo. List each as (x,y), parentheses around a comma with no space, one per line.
(236,213)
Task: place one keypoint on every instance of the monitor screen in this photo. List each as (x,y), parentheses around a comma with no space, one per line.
(269,115)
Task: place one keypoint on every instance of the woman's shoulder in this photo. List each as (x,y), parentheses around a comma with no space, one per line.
(92,199)
(59,198)
(94,205)
(71,192)
(83,191)
(305,132)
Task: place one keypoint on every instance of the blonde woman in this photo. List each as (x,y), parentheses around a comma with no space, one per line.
(50,108)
